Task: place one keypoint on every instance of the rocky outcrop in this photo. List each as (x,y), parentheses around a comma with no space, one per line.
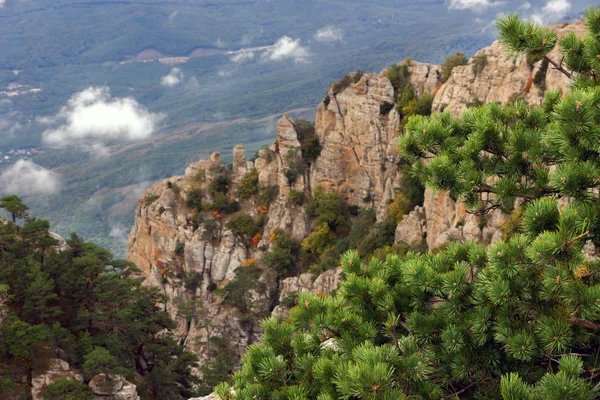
(55,369)
(359,156)
(326,283)
(490,76)
(113,388)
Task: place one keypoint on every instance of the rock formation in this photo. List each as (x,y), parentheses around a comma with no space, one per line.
(113,388)
(55,369)
(190,262)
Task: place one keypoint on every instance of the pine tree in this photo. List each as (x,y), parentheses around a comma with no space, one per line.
(519,319)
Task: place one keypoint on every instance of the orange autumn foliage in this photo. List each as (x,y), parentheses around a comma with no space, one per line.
(256,239)
(164,271)
(273,236)
(217,215)
(262,209)
(249,263)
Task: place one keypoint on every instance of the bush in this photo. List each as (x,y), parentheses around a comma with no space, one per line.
(266,195)
(283,255)
(66,389)
(248,185)
(450,62)
(194,198)
(150,199)
(357,76)
(326,100)
(296,197)
(329,208)
(291,175)
(398,208)
(316,243)
(244,226)
(179,249)
(398,76)
(239,292)
(211,229)
(310,144)
(342,84)
(478,63)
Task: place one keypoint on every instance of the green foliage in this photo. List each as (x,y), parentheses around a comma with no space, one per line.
(342,84)
(329,208)
(296,197)
(318,240)
(18,337)
(398,76)
(99,361)
(90,309)
(282,257)
(309,141)
(14,205)
(240,291)
(478,63)
(194,199)
(150,199)
(66,389)
(180,249)
(450,62)
(244,226)
(266,195)
(357,75)
(248,185)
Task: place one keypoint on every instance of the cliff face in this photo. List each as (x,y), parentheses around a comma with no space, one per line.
(358,158)
(491,77)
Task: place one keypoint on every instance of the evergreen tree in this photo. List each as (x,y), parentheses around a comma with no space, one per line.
(14,205)
(519,319)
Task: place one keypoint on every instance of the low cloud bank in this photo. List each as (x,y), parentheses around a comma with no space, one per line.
(93,116)
(27,178)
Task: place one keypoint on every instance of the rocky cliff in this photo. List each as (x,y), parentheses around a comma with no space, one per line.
(192,261)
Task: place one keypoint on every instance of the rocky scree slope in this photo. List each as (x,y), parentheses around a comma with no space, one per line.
(192,255)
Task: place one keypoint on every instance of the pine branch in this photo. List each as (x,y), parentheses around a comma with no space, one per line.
(455,394)
(585,323)
(559,67)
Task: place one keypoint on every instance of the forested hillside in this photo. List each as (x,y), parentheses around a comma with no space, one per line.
(71,315)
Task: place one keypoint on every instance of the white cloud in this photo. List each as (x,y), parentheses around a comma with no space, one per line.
(93,116)
(220,43)
(473,5)
(525,6)
(2,3)
(242,56)
(25,178)
(554,11)
(173,15)
(329,34)
(286,48)
(173,78)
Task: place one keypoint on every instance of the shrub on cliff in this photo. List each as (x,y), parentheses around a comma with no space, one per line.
(282,257)
(248,185)
(517,320)
(329,208)
(450,62)
(245,227)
